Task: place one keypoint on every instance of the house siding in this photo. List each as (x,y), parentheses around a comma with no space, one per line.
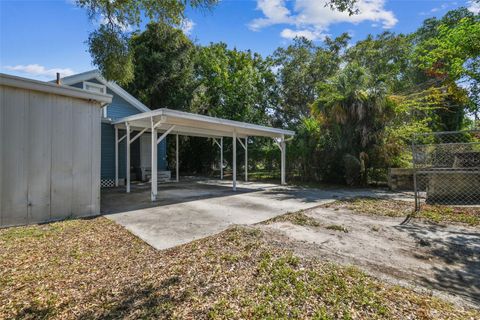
(120,108)
(108,153)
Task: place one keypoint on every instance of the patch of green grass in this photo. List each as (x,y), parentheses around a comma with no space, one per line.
(285,289)
(337,227)
(298,218)
(398,208)
(30,232)
(450,214)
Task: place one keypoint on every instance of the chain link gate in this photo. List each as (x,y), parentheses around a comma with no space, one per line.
(446,168)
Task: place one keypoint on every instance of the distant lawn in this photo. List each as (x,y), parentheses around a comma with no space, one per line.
(398,208)
(96,269)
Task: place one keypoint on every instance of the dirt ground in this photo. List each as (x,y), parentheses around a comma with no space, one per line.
(441,259)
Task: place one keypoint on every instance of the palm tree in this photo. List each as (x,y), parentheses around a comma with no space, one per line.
(355,108)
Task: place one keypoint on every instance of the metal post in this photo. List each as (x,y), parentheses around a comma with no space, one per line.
(234,174)
(415,191)
(177,172)
(116,157)
(154,163)
(221,158)
(246,159)
(128,157)
(283,158)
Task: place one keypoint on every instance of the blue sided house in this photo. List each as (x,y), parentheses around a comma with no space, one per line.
(123,105)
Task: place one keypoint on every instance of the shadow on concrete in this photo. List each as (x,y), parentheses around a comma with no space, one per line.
(115,200)
(311,195)
(460,253)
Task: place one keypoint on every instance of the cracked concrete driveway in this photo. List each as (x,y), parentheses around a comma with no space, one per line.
(195,209)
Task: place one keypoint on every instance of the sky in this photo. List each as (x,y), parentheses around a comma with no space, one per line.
(41,37)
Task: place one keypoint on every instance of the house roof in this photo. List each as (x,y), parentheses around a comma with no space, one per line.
(47,87)
(84,76)
(190,124)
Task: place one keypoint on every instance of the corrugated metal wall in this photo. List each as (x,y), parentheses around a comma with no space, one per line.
(50,157)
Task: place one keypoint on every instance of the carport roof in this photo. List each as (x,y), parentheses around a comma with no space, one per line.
(190,124)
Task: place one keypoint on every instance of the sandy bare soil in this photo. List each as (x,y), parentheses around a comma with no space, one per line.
(443,259)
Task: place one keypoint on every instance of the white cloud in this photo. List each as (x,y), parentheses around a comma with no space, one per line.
(187,26)
(474,6)
(313,18)
(275,12)
(309,34)
(36,70)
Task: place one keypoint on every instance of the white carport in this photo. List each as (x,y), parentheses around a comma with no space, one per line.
(166,121)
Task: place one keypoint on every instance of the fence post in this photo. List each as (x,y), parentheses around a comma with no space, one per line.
(417,205)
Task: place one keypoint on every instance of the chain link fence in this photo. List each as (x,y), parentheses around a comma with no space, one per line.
(447,168)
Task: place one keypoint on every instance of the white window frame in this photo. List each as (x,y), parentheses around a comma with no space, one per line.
(103,89)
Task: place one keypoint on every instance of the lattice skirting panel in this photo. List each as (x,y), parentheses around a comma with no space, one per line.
(107,183)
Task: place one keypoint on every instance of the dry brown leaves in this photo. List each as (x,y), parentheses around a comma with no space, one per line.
(96,269)
(399,208)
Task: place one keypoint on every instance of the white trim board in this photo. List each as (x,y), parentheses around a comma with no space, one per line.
(25,83)
(76,78)
(191,124)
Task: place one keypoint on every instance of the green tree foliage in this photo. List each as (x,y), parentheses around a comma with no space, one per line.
(354,108)
(118,18)
(109,50)
(164,64)
(454,52)
(233,84)
(445,54)
(300,67)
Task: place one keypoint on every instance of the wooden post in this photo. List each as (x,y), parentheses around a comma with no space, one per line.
(234,174)
(221,158)
(177,172)
(246,159)
(283,159)
(128,157)
(116,157)
(153,172)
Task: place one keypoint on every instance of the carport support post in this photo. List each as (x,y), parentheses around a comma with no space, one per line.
(234,174)
(116,157)
(176,159)
(221,158)
(246,159)
(127,174)
(154,175)
(283,150)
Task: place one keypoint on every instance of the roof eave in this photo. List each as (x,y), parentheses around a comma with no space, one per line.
(255,130)
(110,84)
(35,85)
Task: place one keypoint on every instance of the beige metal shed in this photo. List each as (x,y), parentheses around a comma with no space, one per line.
(166,121)
(49,151)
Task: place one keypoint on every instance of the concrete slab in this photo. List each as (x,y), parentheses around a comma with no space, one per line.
(192,210)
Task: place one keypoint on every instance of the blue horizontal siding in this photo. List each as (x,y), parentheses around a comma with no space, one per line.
(120,108)
(108,153)
(117,109)
(162,155)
